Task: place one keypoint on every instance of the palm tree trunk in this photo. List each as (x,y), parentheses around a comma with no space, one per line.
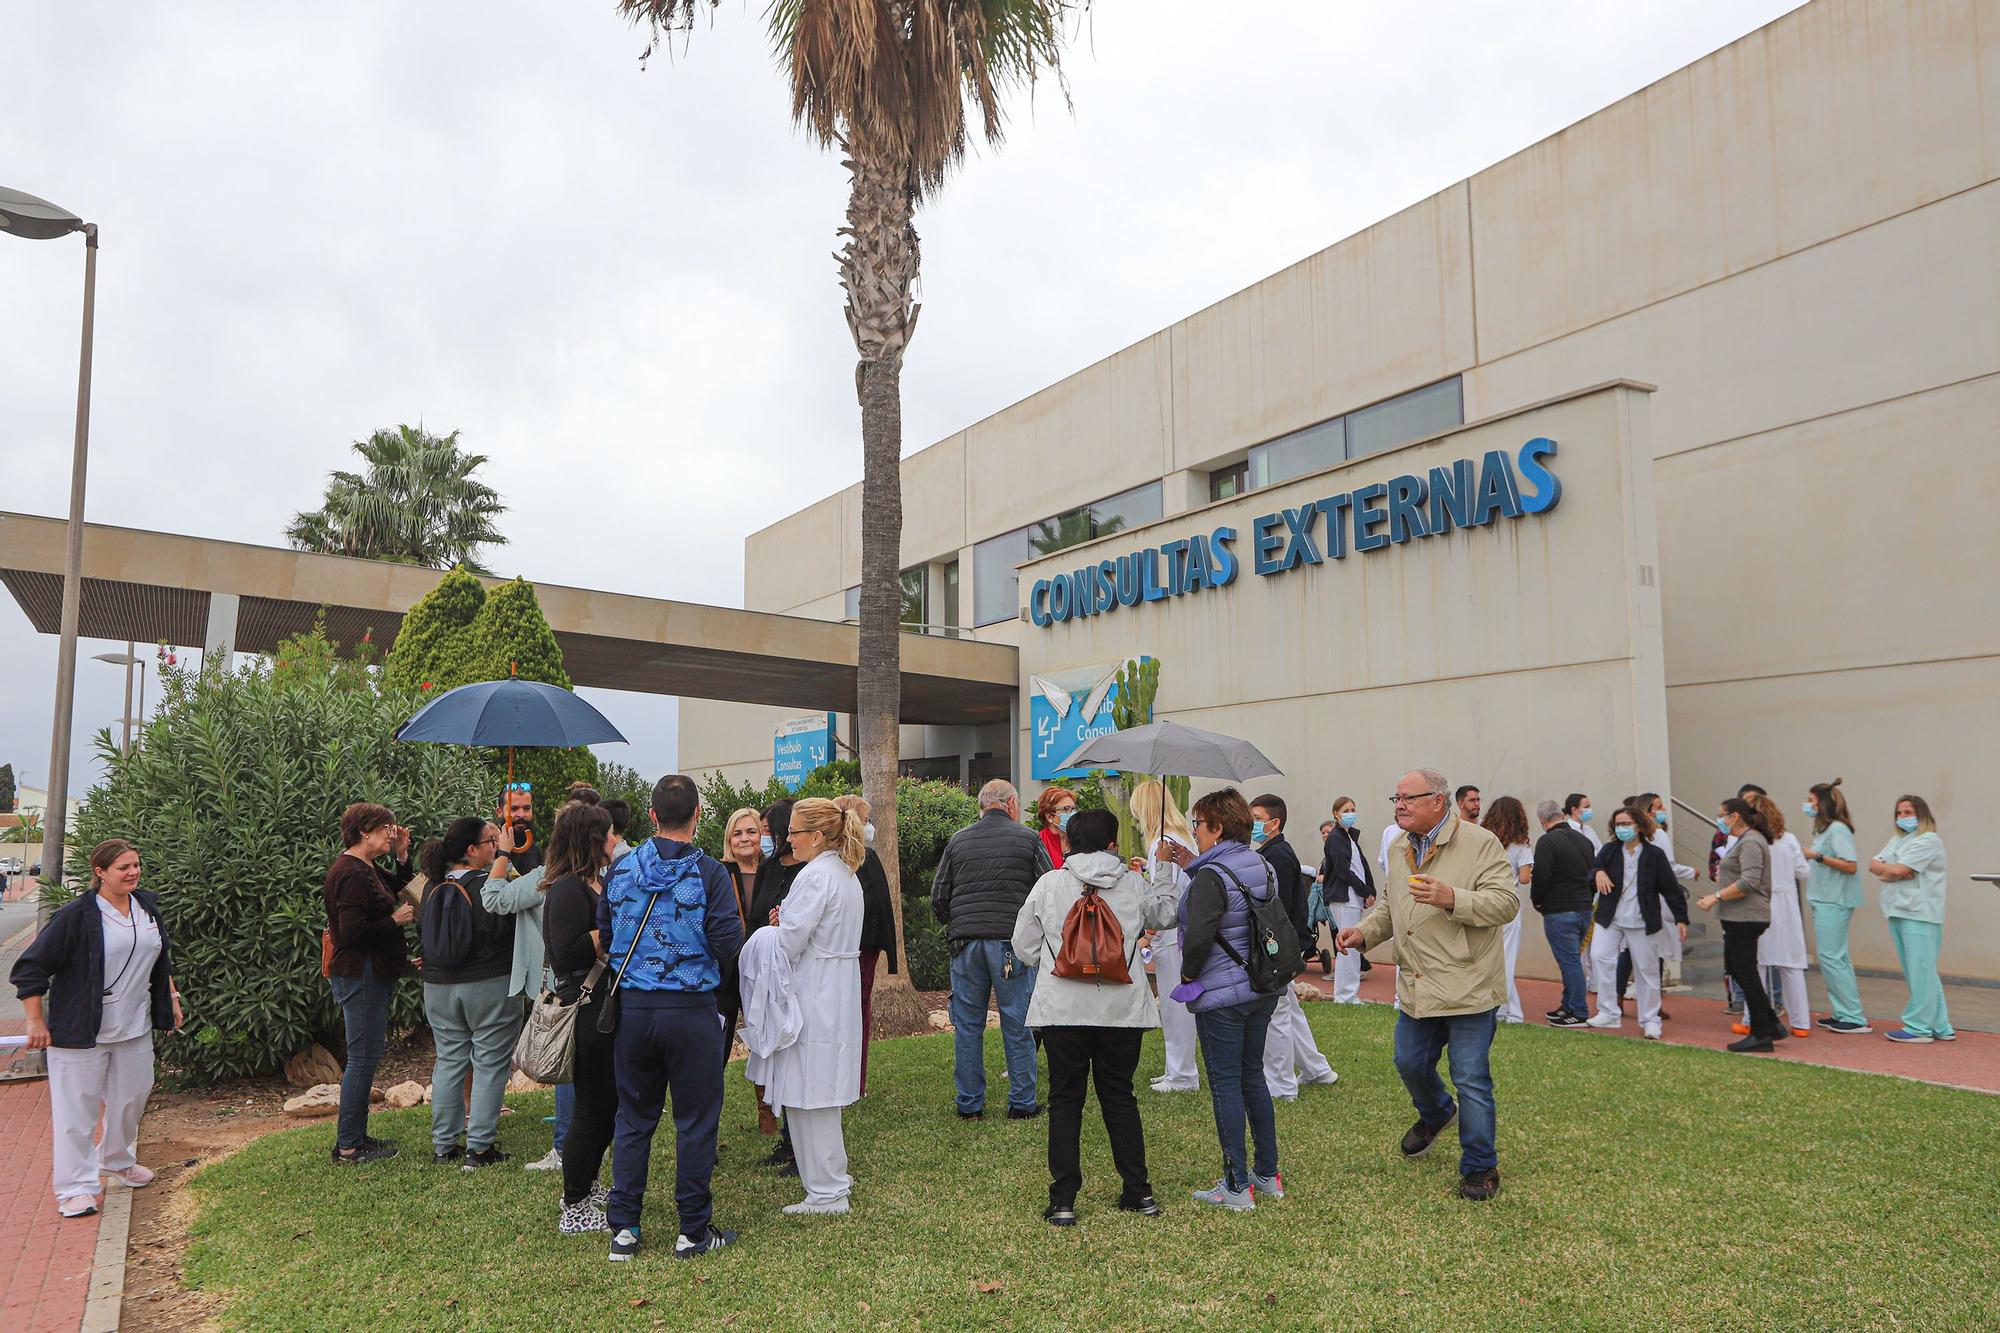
(878,269)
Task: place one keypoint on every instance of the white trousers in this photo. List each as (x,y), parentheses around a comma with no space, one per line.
(1289,1049)
(113,1078)
(1346,966)
(1605,944)
(1790,995)
(1511,937)
(1176,1019)
(822,1153)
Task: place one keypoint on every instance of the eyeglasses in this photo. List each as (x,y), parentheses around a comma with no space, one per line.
(493,841)
(1400,799)
(519,786)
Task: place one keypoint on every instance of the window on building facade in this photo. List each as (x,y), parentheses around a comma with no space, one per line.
(1411,416)
(996,586)
(916,596)
(1310,450)
(948,613)
(1227,481)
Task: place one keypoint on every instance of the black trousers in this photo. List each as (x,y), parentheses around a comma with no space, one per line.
(663,1050)
(1739,960)
(1109,1056)
(595,1117)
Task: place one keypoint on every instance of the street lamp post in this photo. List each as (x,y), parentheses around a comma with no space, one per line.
(39,220)
(128,659)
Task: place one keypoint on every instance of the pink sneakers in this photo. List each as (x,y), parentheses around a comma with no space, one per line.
(135,1176)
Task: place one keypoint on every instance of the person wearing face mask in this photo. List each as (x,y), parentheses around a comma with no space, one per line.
(1052,812)
(1782,950)
(1655,807)
(1744,903)
(1579,814)
(1348,886)
(1833,891)
(1633,879)
(1911,869)
(878,922)
(1291,1056)
(743,854)
(774,880)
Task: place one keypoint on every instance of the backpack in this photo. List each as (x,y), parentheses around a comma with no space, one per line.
(1275,953)
(1093,942)
(448,931)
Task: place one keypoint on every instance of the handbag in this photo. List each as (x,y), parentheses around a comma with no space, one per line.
(546,1051)
(607,1013)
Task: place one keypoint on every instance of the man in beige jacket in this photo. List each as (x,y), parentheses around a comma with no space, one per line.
(1448,894)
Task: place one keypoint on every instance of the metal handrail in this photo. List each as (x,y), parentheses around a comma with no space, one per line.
(1690,809)
(924,627)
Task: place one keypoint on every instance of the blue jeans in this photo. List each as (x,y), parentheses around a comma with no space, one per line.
(986,967)
(1469,1037)
(1565,934)
(1232,1050)
(364,1003)
(565,1108)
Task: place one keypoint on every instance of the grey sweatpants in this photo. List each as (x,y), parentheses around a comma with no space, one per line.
(474,1024)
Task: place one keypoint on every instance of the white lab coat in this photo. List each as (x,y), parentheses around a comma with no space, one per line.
(1784,943)
(820,928)
(771,1015)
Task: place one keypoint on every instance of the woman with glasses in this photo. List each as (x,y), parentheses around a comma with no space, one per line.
(819,927)
(473,1018)
(1052,813)
(1744,903)
(1230,1016)
(579,852)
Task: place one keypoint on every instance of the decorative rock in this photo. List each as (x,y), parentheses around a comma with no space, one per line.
(519,1082)
(319,1101)
(312,1067)
(405,1095)
(1307,992)
(377,1096)
(939,1020)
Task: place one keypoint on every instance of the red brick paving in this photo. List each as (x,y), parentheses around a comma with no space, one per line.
(1973,1061)
(44,1258)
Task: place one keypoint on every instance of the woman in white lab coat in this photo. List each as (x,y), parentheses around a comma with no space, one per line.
(1782,948)
(1157,816)
(820,925)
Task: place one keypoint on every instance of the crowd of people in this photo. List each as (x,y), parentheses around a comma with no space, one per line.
(661,957)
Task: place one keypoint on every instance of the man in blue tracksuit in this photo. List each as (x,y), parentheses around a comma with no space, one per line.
(669,1028)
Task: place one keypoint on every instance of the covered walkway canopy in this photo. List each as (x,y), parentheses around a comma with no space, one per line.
(157,587)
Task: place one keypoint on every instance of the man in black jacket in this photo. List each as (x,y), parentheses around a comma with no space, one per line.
(1562,891)
(982,879)
(1290,1054)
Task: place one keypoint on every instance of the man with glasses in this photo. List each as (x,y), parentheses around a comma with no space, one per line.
(1446,902)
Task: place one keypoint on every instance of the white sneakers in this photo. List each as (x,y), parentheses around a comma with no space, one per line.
(133,1177)
(1605,1021)
(78,1205)
(1652,1032)
(549,1161)
(807,1206)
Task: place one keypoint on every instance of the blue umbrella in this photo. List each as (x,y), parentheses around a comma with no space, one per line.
(509,712)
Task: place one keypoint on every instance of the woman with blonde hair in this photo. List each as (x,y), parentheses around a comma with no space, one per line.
(1782,950)
(1159,820)
(95,984)
(1833,891)
(819,928)
(1911,869)
(742,857)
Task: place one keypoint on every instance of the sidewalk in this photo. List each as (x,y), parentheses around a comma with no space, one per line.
(1971,1062)
(45,1259)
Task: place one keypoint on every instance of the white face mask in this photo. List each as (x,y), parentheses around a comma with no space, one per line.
(868,833)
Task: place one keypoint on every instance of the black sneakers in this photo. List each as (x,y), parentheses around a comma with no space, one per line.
(1024,1112)
(455,1153)
(1146,1207)
(1421,1136)
(1752,1044)
(625,1244)
(1565,1019)
(1480,1186)
(712,1238)
(1059,1217)
(371,1150)
(484,1157)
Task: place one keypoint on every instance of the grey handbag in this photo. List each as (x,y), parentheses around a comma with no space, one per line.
(546,1051)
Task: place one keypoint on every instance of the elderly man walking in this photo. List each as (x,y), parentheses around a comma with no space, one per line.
(982,879)
(1448,895)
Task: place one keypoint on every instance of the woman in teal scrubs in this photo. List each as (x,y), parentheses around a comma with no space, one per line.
(1911,868)
(1833,889)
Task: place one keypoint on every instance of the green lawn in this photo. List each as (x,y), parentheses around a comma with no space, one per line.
(1645,1186)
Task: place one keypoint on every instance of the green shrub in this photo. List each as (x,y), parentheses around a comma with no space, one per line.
(926,954)
(635,789)
(233,798)
(927,814)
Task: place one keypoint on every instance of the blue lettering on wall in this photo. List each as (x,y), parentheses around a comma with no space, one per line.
(1406,508)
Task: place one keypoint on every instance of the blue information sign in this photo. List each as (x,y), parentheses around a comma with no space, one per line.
(800,746)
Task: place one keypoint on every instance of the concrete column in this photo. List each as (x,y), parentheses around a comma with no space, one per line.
(218,644)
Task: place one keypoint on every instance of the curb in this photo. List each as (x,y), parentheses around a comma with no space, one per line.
(105,1303)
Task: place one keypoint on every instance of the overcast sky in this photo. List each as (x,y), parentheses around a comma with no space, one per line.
(320,220)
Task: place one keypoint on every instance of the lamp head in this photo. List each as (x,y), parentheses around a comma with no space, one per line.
(36,219)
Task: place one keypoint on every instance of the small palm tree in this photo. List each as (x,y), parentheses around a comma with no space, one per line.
(416,503)
(893,84)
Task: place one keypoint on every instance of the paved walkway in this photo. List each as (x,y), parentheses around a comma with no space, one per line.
(1973,1061)
(45,1260)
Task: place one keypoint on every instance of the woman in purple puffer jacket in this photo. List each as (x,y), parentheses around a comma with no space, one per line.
(1230,1018)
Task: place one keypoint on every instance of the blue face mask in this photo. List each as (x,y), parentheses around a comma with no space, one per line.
(1348,819)
(766,845)
(1626,832)
(1584,815)
(1062,817)
(1660,818)
(1908,823)
(1257,835)
(1722,823)
(1809,810)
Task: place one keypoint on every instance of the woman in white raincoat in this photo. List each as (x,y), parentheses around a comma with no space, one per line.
(1158,817)
(1783,947)
(819,924)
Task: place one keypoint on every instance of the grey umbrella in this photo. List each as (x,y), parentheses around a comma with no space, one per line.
(1170,748)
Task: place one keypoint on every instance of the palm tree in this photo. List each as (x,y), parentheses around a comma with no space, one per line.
(891,84)
(416,504)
